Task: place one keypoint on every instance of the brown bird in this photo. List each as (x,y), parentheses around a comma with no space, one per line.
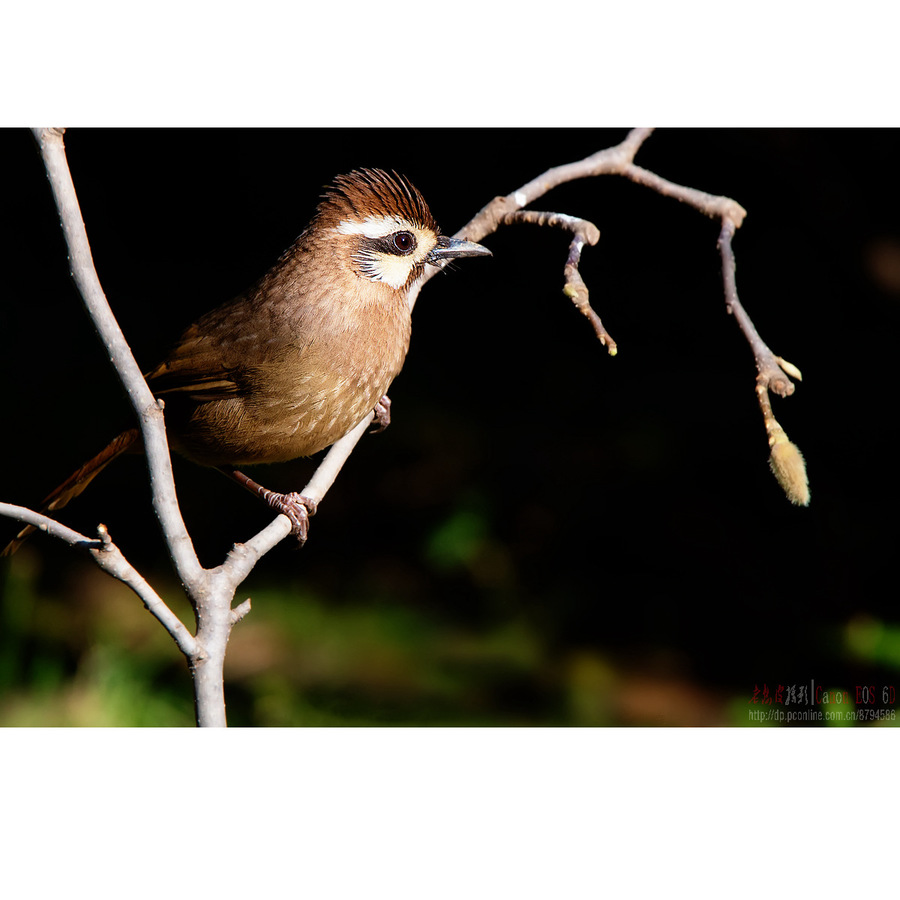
(290,366)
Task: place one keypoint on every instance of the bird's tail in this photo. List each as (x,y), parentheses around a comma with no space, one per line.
(77,482)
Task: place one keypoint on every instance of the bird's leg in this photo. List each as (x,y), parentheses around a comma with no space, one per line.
(382,415)
(293,505)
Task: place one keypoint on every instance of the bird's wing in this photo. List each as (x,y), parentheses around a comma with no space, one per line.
(197,366)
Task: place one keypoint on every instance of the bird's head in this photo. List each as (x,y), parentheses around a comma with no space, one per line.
(386,227)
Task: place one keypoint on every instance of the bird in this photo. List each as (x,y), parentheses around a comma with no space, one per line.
(288,367)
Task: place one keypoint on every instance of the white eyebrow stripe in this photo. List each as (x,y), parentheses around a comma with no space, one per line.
(374,226)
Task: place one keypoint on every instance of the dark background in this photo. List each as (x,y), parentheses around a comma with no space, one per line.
(545,534)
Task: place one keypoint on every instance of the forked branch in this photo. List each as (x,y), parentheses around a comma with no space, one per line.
(785,459)
(210,592)
(112,561)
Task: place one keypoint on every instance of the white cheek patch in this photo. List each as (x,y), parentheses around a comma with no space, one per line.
(392,270)
(374,226)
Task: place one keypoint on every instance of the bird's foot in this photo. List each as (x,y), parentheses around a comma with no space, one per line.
(382,415)
(293,505)
(297,508)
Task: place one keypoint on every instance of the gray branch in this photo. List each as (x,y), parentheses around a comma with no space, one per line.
(112,561)
(149,413)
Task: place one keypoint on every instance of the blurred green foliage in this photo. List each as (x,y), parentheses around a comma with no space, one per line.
(85,653)
(872,640)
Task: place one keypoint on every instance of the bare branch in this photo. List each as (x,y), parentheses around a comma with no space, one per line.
(112,561)
(709,204)
(785,458)
(325,475)
(619,160)
(770,371)
(583,232)
(149,412)
(240,611)
(49,526)
(611,161)
(211,596)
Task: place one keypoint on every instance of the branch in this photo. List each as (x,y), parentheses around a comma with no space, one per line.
(611,161)
(785,458)
(583,232)
(112,561)
(211,594)
(149,412)
(771,374)
(709,204)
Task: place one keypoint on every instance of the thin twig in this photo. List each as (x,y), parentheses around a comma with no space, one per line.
(611,161)
(715,207)
(112,561)
(771,373)
(240,611)
(583,232)
(327,471)
(785,458)
(48,526)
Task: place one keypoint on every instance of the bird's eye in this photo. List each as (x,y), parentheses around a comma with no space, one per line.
(404,241)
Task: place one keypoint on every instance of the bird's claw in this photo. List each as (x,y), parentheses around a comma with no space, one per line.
(382,415)
(298,509)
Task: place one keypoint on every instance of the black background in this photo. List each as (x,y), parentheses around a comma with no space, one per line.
(625,503)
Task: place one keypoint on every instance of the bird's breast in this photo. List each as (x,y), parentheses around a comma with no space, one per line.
(315,382)
(340,378)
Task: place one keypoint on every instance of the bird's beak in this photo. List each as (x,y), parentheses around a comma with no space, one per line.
(450,248)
